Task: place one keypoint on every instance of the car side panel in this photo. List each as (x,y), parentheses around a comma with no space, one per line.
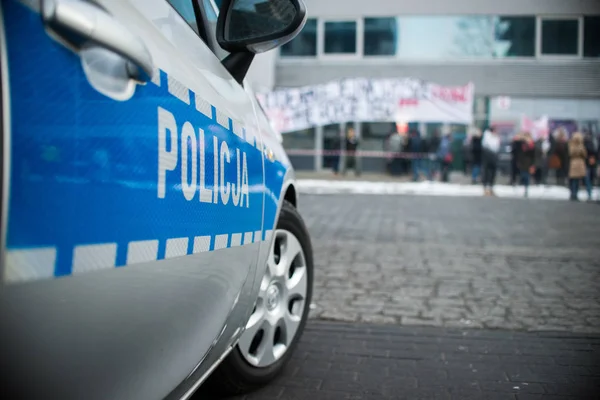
(279,178)
(117,289)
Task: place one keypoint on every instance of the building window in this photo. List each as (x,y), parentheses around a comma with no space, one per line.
(380,36)
(304,44)
(299,140)
(340,37)
(445,37)
(375,134)
(591,36)
(514,37)
(560,37)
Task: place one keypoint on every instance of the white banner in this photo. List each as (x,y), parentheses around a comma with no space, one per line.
(367,100)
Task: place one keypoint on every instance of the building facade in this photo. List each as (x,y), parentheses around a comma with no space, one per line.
(525,57)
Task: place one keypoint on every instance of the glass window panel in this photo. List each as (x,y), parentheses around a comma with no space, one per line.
(185,8)
(560,36)
(514,37)
(458,130)
(380,36)
(211,14)
(375,134)
(433,128)
(591,36)
(442,37)
(332,132)
(304,139)
(303,45)
(340,37)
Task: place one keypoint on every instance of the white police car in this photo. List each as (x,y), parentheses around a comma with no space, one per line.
(149,229)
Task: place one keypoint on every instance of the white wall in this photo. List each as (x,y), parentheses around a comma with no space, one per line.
(346,8)
(576,109)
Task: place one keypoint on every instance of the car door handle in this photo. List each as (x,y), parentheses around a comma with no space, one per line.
(79,24)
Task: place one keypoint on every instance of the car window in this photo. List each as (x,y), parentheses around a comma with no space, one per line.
(211,11)
(185,8)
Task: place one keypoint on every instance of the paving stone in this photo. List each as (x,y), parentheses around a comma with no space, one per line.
(473,299)
(367,374)
(456,262)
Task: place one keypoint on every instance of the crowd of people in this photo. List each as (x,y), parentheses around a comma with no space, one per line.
(574,158)
(422,157)
(531,159)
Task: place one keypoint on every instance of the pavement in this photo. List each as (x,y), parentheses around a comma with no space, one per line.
(456,262)
(421,297)
(336,361)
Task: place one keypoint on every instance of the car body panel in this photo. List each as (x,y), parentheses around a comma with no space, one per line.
(115,282)
(279,177)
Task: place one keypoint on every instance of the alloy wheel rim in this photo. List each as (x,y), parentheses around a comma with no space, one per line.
(275,320)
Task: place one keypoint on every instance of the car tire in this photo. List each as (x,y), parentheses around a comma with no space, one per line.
(236,375)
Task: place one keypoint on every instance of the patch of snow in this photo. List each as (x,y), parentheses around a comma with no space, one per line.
(426,188)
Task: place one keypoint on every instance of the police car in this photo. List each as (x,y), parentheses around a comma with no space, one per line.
(150,236)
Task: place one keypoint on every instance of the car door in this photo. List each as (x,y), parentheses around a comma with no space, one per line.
(135,211)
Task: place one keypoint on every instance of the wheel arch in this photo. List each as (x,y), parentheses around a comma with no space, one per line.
(291,195)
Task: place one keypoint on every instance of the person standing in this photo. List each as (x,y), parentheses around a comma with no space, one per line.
(526,160)
(490,145)
(577,165)
(444,155)
(467,154)
(559,153)
(395,147)
(434,144)
(514,155)
(591,163)
(336,148)
(351,146)
(476,154)
(541,160)
(417,150)
(388,152)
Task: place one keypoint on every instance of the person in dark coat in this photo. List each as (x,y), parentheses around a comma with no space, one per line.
(418,148)
(515,149)
(351,146)
(591,162)
(395,147)
(559,156)
(444,154)
(434,142)
(526,159)
(490,143)
(432,148)
(476,152)
(334,161)
(541,160)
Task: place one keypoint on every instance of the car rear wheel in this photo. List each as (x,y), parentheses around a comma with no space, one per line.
(281,311)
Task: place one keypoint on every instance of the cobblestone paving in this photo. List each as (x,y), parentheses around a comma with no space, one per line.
(411,277)
(456,262)
(337,361)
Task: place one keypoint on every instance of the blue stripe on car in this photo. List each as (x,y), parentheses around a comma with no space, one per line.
(84,168)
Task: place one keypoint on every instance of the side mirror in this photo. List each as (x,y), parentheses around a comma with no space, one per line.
(256,26)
